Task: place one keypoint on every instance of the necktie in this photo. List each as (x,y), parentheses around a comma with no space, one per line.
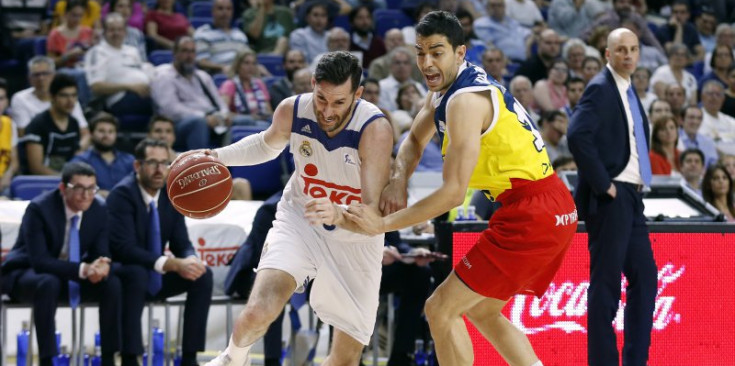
(154,245)
(640,138)
(74,294)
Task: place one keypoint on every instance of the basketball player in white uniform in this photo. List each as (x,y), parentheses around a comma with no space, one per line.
(341,147)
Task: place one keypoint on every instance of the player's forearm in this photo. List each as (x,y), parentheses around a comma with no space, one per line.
(442,200)
(406,161)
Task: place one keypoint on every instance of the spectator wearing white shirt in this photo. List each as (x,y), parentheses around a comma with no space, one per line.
(571,17)
(401,61)
(715,124)
(674,72)
(525,12)
(312,39)
(503,31)
(189,97)
(219,43)
(115,71)
(133,36)
(27,103)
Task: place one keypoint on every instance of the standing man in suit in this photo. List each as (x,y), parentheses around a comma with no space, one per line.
(611,152)
(142,219)
(62,254)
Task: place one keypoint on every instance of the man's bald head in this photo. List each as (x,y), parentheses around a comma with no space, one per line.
(623,51)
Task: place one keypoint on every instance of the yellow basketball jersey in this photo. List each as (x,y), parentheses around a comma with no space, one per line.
(511,148)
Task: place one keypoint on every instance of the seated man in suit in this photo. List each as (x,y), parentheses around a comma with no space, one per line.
(62,254)
(142,219)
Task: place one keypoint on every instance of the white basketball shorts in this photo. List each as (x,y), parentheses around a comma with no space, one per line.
(346,274)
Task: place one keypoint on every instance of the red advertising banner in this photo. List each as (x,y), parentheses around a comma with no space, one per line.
(694,320)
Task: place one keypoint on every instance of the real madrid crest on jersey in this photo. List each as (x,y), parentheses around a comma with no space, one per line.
(305,149)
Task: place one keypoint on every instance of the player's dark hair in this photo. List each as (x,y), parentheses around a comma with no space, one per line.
(442,23)
(62,81)
(336,67)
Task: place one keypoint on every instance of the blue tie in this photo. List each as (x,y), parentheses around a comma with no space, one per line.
(154,245)
(644,163)
(74,296)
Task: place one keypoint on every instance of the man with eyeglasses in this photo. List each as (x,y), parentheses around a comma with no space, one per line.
(53,137)
(27,103)
(141,221)
(62,255)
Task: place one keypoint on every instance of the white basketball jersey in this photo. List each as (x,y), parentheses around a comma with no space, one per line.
(326,166)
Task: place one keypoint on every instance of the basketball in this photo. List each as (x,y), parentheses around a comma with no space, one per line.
(199,186)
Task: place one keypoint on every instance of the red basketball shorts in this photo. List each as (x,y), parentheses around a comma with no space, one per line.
(525,242)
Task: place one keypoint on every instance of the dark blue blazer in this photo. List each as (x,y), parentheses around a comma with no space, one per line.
(129,222)
(598,140)
(41,238)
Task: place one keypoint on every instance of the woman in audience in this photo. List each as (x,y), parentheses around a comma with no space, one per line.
(133,10)
(8,141)
(728,161)
(408,101)
(729,106)
(573,53)
(590,67)
(245,93)
(674,73)
(664,155)
(90,18)
(164,25)
(720,63)
(551,93)
(67,43)
(717,189)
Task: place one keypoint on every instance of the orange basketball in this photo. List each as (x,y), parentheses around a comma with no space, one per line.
(199,186)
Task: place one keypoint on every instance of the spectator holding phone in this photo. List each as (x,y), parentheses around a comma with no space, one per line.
(68,42)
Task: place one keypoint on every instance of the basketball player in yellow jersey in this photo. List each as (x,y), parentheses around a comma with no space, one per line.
(489,143)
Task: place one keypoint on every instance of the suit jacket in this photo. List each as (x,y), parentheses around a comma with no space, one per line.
(129,224)
(42,234)
(598,140)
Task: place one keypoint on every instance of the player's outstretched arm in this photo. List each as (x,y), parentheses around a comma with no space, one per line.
(395,194)
(465,117)
(265,146)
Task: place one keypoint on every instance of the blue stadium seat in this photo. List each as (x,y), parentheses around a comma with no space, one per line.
(39,46)
(265,179)
(393,4)
(270,80)
(342,21)
(274,64)
(197,22)
(386,19)
(219,79)
(26,187)
(200,9)
(697,69)
(160,57)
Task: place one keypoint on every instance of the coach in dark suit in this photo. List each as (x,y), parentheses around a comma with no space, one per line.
(62,253)
(608,136)
(142,220)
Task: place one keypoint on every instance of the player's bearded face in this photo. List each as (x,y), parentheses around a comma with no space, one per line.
(333,105)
